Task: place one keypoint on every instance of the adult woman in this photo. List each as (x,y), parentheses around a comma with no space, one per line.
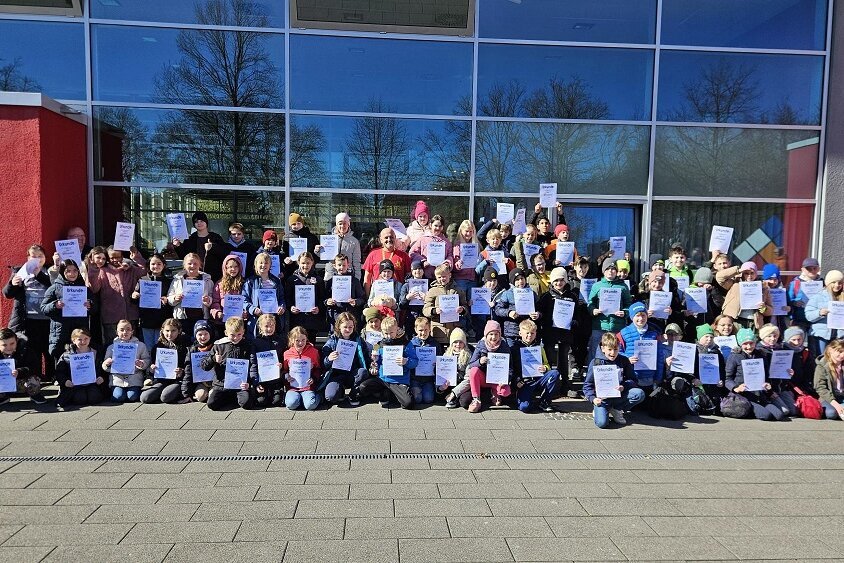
(349,245)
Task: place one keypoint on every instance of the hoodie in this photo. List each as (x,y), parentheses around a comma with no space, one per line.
(627,377)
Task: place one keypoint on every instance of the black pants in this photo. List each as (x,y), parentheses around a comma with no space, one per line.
(165,391)
(80,395)
(271,396)
(558,355)
(221,399)
(38,336)
(383,391)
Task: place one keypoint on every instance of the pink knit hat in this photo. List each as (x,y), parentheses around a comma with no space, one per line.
(491,326)
(420,207)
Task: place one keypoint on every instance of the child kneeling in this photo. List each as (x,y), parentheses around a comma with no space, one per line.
(301,367)
(605,407)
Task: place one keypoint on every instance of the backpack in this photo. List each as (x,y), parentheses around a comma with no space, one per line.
(699,402)
(662,404)
(735,406)
(808,406)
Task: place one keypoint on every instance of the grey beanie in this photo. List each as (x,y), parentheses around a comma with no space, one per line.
(791,332)
(703,275)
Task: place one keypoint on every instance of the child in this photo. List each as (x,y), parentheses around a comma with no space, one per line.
(412,311)
(422,386)
(706,345)
(114,284)
(606,407)
(504,310)
(312,321)
(464,275)
(419,222)
(561,234)
(770,281)
(167,390)
(495,243)
(299,348)
(263,279)
(271,244)
(760,401)
(380,298)
(12,347)
(52,306)
(237,242)
(231,283)
(336,381)
(810,270)
(202,344)
(519,251)
(126,388)
(803,364)
(490,282)
(817,310)
(558,340)
(476,370)
(372,318)
(234,346)
(678,269)
(614,321)
(354,305)
(151,319)
(209,247)
(386,387)
(265,394)
(703,280)
(729,279)
(443,286)
(829,381)
(458,346)
(544,385)
(782,389)
(419,249)
(640,329)
(582,325)
(80,395)
(192,271)
(539,277)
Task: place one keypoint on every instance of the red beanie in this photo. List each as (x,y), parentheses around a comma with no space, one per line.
(560,228)
(420,207)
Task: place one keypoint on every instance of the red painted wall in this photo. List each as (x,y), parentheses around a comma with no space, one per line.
(44,183)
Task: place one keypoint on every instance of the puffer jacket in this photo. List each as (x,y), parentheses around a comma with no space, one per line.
(61,327)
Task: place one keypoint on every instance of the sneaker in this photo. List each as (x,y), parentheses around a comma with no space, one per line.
(618,416)
(385,404)
(546,406)
(38,399)
(60,407)
(354,398)
(475,406)
(497,401)
(451,401)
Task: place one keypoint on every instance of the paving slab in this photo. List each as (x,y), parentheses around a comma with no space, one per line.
(300,492)
(599,526)
(113,496)
(290,529)
(342,551)
(258,552)
(537,507)
(673,548)
(154,513)
(327,508)
(148,553)
(211,532)
(28,514)
(416,527)
(82,481)
(442,507)
(564,549)
(68,534)
(25,554)
(493,526)
(31,497)
(244,511)
(454,550)
(208,493)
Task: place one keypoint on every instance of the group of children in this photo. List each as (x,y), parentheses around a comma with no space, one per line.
(239,325)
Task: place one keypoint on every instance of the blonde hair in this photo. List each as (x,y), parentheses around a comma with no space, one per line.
(421,321)
(442,268)
(264,319)
(344,318)
(234,324)
(388,323)
(527,324)
(232,284)
(464,226)
(126,322)
(493,233)
(262,257)
(608,341)
(191,256)
(295,333)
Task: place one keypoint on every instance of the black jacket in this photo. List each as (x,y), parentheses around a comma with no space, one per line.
(213,263)
(18,292)
(61,327)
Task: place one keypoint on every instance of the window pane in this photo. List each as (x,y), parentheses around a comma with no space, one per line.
(147,208)
(604,159)
(43,57)
(740,88)
(377,153)
(188,146)
(564,82)
(725,162)
(255,13)
(608,21)
(776,233)
(773,24)
(189,67)
(380,75)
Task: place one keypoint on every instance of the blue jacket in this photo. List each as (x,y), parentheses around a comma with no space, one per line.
(412,361)
(364,351)
(627,376)
(813,315)
(504,303)
(627,339)
(798,313)
(250,302)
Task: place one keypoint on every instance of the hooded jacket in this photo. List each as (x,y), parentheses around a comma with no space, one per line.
(61,327)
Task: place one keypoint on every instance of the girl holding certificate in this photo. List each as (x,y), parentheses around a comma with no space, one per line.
(758,391)
(263,294)
(730,279)
(307,313)
(126,358)
(230,385)
(114,283)
(167,374)
(231,283)
(345,359)
(818,308)
(558,318)
(783,389)
(478,367)
(158,278)
(196,383)
(302,370)
(433,249)
(266,392)
(78,394)
(829,380)
(419,222)
(53,306)
(466,253)
(190,293)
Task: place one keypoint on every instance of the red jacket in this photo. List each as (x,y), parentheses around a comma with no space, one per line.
(310,352)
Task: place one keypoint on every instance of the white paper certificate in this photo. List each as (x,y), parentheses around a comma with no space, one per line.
(436,253)
(330,246)
(565,252)
(297,245)
(124,236)
(275,265)
(498,368)
(383,288)
(469,255)
(498,260)
(720,238)
(726,344)
(427,356)
(446,370)
(519,225)
(448,308)
(645,351)
(530,251)
(268,369)
(305,297)
(177,226)
(696,300)
(166,362)
(8,384)
(481,296)
(681,281)
(523,297)
(69,250)
(609,300)
(397,226)
(268,300)
(123,355)
(563,313)
(753,372)
(810,288)
(341,288)
(618,245)
(835,317)
(606,381)
(389,361)
(586,287)
(548,195)
(198,374)
(74,298)
(659,301)
(346,350)
(531,361)
(779,300)
(683,354)
(780,364)
(232,306)
(416,285)
(709,369)
(750,294)
(150,294)
(237,372)
(192,292)
(82,370)
(505,212)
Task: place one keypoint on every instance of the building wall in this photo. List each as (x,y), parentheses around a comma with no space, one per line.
(832,230)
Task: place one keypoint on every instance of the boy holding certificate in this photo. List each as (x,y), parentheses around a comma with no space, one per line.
(14,354)
(746,377)
(75,370)
(412,295)
(508,312)
(609,384)
(266,388)
(393,358)
(710,367)
(343,293)
(233,346)
(196,382)
(778,368)
(443,286)
(608,293)
(427,349)
(306,305)
(639,342)
(66,293)
(535,381)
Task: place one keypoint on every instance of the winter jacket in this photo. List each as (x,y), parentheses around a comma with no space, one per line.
(309,352)
(181,354)
(136,379)
(481,350)
(115,286)
(17,322)
(795,294)
(516,358)
(419,251)
(363,355)
(627,338)
(226,349)
(264,343)
(62,372)
(409,353)
(213,261)
(245,247)
(432,301)
(550,333)
(350,246)
(180,312)
(825,385)
(61,327)
(732,302)
(464,273)
(188,385)
(251,302)
(313,322)
(735,375)
(504,304)
(154,318)
(627,378)
(819,328)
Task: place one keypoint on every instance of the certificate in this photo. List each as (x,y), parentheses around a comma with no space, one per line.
(683,354)
(446,370)
(524,301)
(709,369)
(275,265)
(330,246)
(166,362)
(436,253)
(531,361)
(198,374)
(696,300)
(416,285)
(389,361)
(753,373)
(779,300)
(606,381)
(385,288)
(177,226)
(297,245)
(481,296)
(69,250)
(810,288)
(268,369)
(124,355)
(150,294)
(192,293)
(373,338)
(563,313)
(835,317)
(82,370)
(397,226)
(505,212)
(645,351)
(586,287)
(519,225)
(232,306)
(305,297)
(346,350)
(498,260)
(427,356)
(74,298)
(720,238)
(237,371)
(682,282)
(268,300)
(659,301)
(124,236)
(498,368)
(469,255)
(750,294)
(609,300)
(548,195)
(726,344)
(780,364)
(8,383)
(530,250)
(618,245)
(448,305)
(341,288)
(565,252)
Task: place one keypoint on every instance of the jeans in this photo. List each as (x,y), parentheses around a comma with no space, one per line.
(150,337)
(294,399)
(339,381)
(829,411)
(629,398)
(422,389)
(126,394)
(594,344)
(544,387)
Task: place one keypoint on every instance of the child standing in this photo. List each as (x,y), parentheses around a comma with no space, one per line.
(126,388)
(175,295)
(443,286)
(606,407)
(640,329)
(78,395)
(542,387)
(422,385)
(152,319)
(613,321)
(299,348)
(263,280)
(114,283)
(234,346)
(52,306)
(558,340)
(412,300)
(505,307)
(202,344)
(355,304)
(312,321)
(167,390)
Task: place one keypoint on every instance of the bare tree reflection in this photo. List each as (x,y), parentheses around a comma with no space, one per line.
(377,152)
(13,80)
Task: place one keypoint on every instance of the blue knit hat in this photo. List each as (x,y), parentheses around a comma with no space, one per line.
(637,307)
(770,271)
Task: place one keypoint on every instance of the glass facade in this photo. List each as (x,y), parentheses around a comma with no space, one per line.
(655,119)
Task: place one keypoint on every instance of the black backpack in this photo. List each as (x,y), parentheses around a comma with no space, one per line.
(662,404)
(699,402)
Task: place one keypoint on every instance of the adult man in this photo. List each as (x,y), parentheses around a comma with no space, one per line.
(387,251)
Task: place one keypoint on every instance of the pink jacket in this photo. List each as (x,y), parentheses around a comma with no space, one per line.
(115,286)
